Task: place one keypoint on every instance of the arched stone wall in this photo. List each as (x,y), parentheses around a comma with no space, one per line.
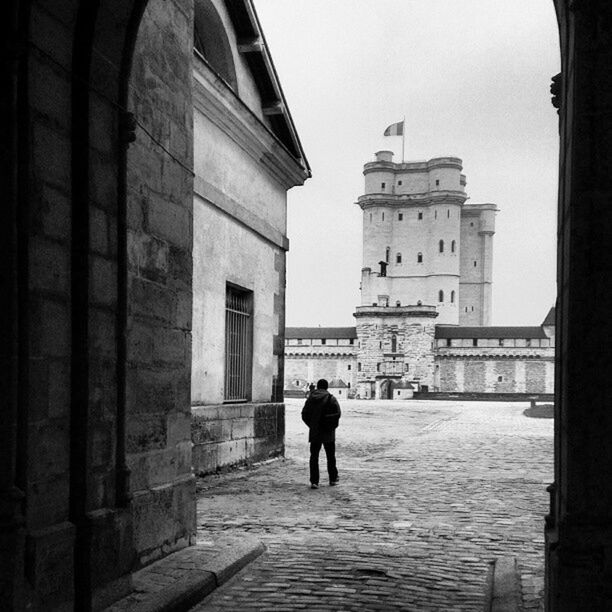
(66,502)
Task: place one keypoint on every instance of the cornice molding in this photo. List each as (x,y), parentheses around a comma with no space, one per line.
(413,200)
(216,101)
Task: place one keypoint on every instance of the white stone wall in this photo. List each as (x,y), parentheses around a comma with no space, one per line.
(251,267)
(494,368)
(242,174)
(476,264)
(309,363)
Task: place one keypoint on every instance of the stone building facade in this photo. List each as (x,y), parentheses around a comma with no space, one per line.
(423,322)
(241,122)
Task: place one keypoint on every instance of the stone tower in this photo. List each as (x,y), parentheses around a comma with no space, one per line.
(422,244)
(426,260)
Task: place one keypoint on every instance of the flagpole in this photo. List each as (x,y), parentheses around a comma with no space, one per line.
(403,136)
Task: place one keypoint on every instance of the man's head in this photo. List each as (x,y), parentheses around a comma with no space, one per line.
(322,384)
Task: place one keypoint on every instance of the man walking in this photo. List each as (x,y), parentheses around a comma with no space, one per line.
(321,413)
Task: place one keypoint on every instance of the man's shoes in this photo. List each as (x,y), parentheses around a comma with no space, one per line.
(314,486)
(333,483)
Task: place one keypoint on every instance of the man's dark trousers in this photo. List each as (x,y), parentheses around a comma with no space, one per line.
(330,452)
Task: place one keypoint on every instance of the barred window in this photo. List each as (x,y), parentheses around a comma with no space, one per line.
(238,343)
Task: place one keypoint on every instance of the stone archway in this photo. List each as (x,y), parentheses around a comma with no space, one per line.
(65,490)
(63,243)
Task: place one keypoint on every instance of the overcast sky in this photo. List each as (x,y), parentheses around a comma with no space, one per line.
(472,78)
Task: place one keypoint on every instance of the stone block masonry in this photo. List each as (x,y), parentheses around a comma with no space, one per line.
(229,435)
(159,241)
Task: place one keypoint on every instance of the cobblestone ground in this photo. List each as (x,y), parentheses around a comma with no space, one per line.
(430,493)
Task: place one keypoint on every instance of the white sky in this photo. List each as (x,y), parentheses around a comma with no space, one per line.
(472,78)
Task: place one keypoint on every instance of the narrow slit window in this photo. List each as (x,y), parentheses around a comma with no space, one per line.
(441,246)
(453,246)
(440,296)
(398,258)
(419,257)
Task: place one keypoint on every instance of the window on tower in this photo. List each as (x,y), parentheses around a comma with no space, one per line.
(452,297)
(400,217)
(453,245)
(475,263)
(383,185)
(387,254)
(435,214)
(437,182)
(399,182)
(383,216)
(441,246)
(419,257)
(420,216)
(448,342)
(448,214)
(440,296)
(398,258)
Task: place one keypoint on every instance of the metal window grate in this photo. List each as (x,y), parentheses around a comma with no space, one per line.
(238,344)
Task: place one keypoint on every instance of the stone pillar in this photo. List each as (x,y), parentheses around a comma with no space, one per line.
(579,526)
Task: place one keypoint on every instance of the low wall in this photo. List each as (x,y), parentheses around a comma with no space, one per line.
(228,435)
(488,397)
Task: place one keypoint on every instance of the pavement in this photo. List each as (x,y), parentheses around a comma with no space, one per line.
(433,495)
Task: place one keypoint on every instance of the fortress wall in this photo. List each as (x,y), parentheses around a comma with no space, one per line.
(494,373)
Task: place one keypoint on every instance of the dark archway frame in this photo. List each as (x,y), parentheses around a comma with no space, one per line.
(579,526)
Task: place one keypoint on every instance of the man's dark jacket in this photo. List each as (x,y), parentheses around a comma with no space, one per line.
(321,413)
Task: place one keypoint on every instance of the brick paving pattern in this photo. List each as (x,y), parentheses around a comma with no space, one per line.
(430,493)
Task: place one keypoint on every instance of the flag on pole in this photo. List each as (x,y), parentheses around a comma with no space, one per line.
(395,129)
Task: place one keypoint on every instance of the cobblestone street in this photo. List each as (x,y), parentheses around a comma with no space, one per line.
(430,493)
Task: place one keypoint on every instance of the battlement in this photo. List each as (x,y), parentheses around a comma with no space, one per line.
(413,177)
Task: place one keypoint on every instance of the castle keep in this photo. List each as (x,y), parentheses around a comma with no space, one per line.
(426,282)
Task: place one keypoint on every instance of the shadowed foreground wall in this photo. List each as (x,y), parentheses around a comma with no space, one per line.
(159,247)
